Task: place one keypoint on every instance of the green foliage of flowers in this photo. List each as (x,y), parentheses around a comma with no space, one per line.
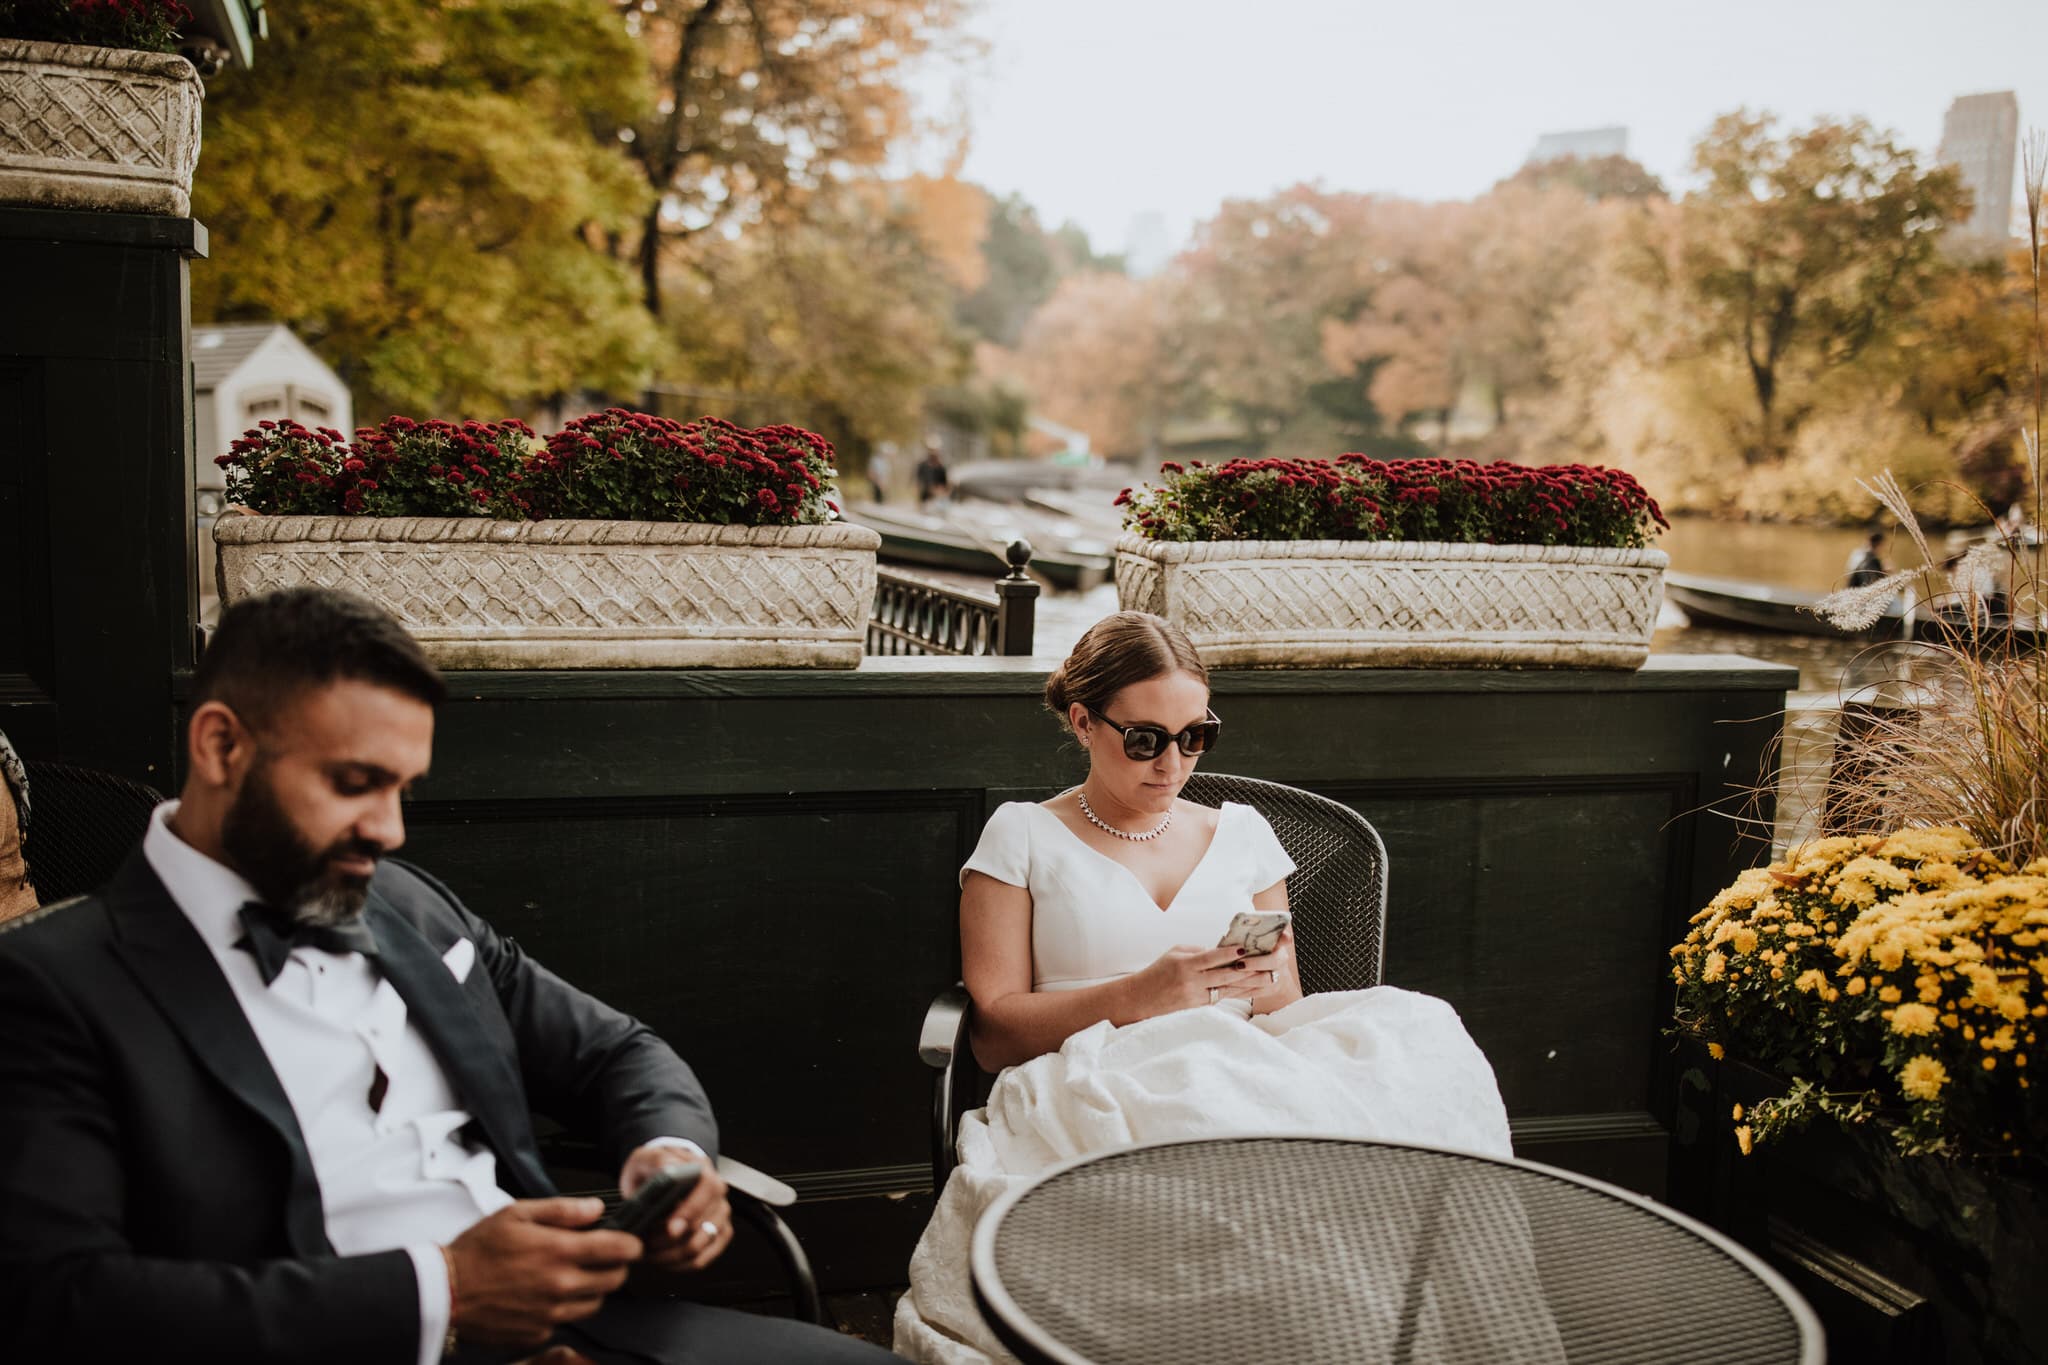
(1356,497)
(139,25)
(1901,979)
(611,465)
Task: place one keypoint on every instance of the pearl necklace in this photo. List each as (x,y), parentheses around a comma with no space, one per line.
(1108,828)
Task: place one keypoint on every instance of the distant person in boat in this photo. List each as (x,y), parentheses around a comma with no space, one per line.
(1865,565)
(931,474)
(1974,598)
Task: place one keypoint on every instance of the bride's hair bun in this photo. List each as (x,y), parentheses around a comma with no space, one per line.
(1123,648)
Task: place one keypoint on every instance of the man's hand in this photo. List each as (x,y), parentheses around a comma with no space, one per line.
(699,1230)
(529,1267)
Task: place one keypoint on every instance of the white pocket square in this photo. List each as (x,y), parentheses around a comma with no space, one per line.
(460,959)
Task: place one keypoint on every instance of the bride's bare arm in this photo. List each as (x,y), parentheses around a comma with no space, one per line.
(1013,1023)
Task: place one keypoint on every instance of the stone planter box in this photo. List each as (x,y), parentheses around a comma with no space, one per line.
(579,594)
(97,128)
(1365,604)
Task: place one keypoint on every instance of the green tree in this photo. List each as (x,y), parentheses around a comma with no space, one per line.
(413,187)
(1803,254)
(1025,263)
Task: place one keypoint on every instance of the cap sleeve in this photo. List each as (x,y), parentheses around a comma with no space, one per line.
(1267,859)
(1005,848)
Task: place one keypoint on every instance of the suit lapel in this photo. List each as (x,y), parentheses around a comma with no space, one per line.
(174,967)
(479,1068)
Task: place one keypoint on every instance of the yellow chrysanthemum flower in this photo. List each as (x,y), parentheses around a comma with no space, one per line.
(1913,1020)
(1922,1078)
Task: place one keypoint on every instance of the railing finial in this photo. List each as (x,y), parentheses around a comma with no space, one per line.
(1018,553)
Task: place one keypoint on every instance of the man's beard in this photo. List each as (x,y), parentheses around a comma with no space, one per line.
(268,850)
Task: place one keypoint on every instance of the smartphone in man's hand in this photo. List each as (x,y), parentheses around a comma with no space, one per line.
(653,1202)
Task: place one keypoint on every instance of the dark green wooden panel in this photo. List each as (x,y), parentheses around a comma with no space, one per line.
(94,350)
(787,946)
(1541,916)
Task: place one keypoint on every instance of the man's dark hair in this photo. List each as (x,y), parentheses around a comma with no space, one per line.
(268,649)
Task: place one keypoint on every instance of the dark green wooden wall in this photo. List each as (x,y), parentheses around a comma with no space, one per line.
(763,865)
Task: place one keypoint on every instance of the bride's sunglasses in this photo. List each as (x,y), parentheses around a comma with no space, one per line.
(1147,742)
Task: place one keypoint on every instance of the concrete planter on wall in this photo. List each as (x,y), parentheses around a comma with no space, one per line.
(579,594)
(97,128)
(1366,604)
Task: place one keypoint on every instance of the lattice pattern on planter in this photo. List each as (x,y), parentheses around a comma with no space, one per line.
(1350,603)
(85,116)
(98,128)
(1365,596)
(481,591)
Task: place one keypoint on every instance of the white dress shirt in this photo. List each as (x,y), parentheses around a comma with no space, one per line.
(391,1177)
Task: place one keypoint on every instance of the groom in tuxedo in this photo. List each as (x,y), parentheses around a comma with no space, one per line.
(265,1096)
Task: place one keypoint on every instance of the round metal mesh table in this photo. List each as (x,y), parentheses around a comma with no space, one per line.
(1301,1250)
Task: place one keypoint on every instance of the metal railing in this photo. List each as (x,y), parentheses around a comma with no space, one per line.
(917,616)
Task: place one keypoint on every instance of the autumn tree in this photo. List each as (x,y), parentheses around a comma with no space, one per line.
(840,319)
(1249,301)
(1803,253)
(761,103)
(1591,177)
(413,187)
(1093,358)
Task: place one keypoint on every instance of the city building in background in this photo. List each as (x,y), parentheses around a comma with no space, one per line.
(1147,248)
(1587,144)
(1980,137)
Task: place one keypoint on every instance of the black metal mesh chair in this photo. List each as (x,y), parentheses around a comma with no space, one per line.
(83,822)
(1338,892)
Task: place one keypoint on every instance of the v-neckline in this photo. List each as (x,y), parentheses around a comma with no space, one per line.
(1193,872)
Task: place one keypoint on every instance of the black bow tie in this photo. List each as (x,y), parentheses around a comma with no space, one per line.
(269,935)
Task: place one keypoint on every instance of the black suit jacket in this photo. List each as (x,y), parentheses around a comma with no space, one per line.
(156,1196)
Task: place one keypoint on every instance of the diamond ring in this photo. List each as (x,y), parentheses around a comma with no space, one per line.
(1212,995)
(708,1228)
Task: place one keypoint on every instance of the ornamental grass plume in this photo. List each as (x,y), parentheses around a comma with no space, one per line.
(1970,746)
(1900,980)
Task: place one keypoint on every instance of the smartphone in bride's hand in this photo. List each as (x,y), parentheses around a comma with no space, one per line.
(1256,931)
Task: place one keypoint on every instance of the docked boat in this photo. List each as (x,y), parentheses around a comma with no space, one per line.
(970,537)
(1730,604)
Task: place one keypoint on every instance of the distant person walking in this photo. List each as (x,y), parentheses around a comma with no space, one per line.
(931,474)
(881,468)
(1865,565)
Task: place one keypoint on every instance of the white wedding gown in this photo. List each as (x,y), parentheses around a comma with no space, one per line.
(1380,1063)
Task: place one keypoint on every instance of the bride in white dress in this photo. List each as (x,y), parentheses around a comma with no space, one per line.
(1087,933)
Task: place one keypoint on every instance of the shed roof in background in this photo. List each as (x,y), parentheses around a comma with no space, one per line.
(219,350)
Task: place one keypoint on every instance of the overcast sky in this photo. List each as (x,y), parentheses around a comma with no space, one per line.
(1099,110)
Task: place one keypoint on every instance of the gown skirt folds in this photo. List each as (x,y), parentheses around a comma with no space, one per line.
(1380,1063)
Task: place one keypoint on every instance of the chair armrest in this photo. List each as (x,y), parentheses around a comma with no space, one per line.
(945,1028)
(758,1184)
